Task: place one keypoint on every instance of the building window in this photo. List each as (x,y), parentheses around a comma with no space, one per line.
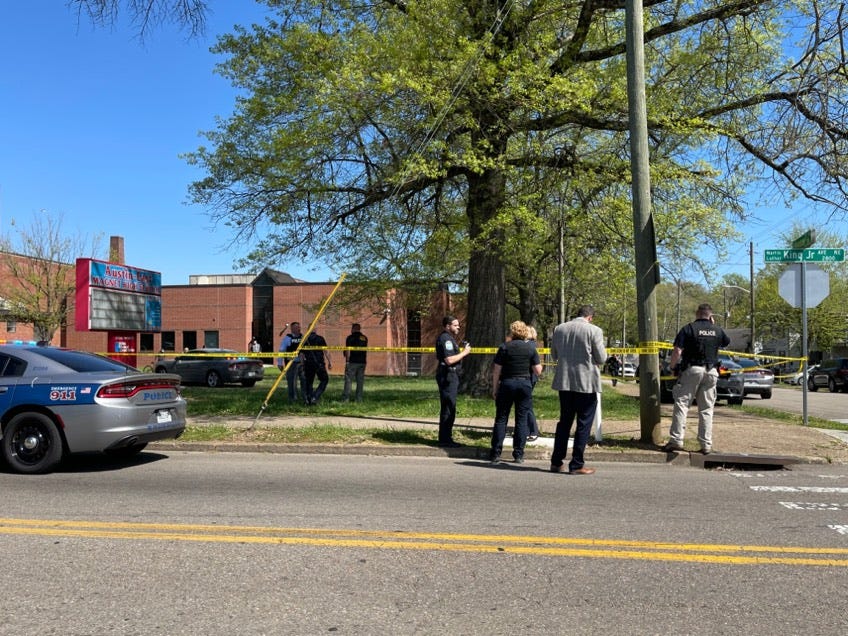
(189,340)
(145,342)
(210,339)
(169,341)
(11,326)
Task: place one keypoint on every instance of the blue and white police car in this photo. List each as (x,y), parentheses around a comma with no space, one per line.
(56,401)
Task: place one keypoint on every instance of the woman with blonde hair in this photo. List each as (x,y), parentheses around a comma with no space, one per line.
(515,362)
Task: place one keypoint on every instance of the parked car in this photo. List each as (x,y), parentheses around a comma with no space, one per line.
(759,380)
(213,367)
(730,385)
(56,401)
(628,370)
(731,382)
(800,377)
(831,373)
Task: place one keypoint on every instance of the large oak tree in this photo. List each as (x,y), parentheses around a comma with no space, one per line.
(456,141)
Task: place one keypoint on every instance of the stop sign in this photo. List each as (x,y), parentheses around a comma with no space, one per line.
(816,284)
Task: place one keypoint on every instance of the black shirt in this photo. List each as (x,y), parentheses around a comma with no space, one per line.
(516,357)
(357,339)
(314,357)
(700,341)
(445,347)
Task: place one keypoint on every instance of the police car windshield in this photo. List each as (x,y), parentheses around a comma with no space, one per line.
(83,362)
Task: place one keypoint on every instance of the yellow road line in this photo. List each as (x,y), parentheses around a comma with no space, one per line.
(373,539)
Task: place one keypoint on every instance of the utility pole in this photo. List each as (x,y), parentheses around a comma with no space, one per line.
(647,267)
(751,280)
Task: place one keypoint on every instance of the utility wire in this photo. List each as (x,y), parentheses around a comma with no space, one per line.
(461,83)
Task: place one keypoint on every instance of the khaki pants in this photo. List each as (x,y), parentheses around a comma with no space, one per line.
(698,383)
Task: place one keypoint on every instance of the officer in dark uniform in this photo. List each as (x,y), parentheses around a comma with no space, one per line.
(315,363)
(355,359)
(696,351)
(614,368)
(294,374)
(450,358)
(515,365)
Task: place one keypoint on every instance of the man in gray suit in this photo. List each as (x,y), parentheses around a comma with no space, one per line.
(577,347)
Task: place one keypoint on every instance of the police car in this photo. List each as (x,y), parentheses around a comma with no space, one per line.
(56,401)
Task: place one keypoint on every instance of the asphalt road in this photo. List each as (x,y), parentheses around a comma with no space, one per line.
(203,543)
(822,403)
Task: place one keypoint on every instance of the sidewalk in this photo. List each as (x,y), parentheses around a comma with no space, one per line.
(733,432)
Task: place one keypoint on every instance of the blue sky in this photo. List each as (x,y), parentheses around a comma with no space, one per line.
(92,123)
(771,226)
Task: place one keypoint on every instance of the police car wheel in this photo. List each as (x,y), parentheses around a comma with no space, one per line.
(32,443)
(213,379)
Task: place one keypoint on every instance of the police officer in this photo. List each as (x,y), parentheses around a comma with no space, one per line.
(450,358)
(614,368)
(294,375)
(315,363)
(355,358)
(696,351)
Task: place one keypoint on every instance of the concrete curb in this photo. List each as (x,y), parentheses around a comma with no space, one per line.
(751,440)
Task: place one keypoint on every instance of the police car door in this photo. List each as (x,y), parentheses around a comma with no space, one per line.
(10,371)
(190,368)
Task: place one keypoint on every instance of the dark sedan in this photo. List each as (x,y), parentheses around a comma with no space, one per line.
(730,385)
(213,367)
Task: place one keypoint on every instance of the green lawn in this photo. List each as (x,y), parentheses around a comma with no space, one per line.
(392,397)
(408,398)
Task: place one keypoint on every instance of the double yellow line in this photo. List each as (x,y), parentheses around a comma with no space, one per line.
(389,540)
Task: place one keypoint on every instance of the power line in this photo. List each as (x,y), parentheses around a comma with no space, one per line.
(460,84)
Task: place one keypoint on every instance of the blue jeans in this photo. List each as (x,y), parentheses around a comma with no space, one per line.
(518,392)
(310,372)
(582,406)
(294,376)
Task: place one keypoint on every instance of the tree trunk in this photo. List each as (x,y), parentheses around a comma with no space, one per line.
(485,324)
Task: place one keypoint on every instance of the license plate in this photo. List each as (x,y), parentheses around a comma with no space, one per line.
(250,374)
(163,417)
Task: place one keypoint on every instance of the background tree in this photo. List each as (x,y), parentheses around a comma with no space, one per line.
(426,121)
(145,15)
(41,261)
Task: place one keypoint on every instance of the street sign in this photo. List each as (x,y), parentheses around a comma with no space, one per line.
(784,256)
(805,240)
(815,255)
(824,255)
